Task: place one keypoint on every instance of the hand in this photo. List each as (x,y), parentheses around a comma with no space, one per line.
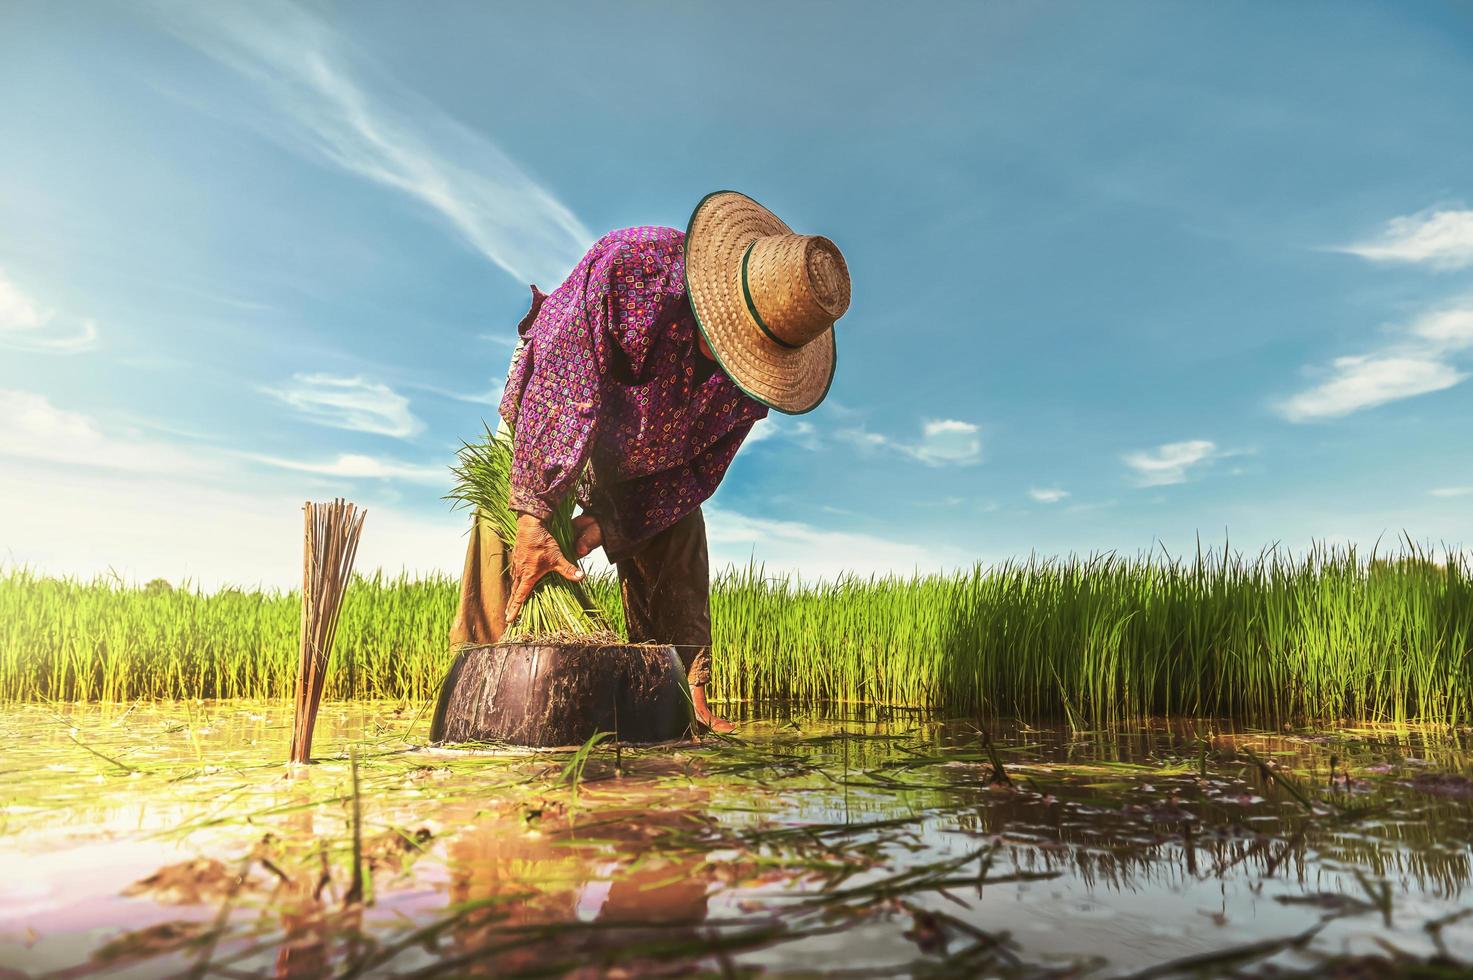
(535,555)
(587,535)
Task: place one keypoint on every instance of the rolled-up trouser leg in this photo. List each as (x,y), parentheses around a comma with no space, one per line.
(666,586)
(485,586)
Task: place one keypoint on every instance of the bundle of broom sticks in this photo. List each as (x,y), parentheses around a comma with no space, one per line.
(330,542)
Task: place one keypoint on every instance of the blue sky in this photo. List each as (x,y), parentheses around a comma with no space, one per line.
(1123,273)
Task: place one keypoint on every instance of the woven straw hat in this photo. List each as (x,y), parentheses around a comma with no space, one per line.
(765,299)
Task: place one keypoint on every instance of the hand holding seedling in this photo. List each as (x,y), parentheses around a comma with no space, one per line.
(535,555)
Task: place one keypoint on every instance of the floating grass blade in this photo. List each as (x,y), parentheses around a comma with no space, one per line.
(573,772)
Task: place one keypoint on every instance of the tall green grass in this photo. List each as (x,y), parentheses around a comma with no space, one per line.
(1275,638)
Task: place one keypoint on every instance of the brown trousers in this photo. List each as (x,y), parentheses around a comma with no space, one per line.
(665,584)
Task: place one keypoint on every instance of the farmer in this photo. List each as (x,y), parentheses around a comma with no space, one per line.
(633,385)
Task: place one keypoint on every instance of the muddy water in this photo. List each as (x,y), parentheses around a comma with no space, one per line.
(169,840)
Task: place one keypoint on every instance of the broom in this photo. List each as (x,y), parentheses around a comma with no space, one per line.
(330,542)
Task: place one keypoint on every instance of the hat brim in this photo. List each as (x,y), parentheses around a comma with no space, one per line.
(791,380)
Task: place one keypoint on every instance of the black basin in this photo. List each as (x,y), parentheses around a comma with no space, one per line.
(562,694)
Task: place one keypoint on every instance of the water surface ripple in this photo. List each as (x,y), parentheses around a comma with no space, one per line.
(169,839)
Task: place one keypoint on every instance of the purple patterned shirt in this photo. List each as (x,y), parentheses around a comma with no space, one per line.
(611,396)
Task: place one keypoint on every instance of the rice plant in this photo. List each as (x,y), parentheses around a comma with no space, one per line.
(483,484)
(1271,638)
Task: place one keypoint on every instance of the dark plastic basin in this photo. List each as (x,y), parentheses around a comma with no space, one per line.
(555,695)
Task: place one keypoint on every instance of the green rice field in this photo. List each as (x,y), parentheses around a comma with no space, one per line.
(1251,767)
(1272,638)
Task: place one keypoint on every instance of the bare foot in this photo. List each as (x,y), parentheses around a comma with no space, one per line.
(705,716)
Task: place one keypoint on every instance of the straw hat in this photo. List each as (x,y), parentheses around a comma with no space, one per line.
(766,299)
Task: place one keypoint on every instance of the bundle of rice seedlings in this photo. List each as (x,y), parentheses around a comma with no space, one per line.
(330,541)
(557,607)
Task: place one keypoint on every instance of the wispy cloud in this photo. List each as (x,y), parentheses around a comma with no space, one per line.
(27,325)
(17,310)
(952,501)
(943,442)
(1170,462)
(37,430)
(1417,362)
(1048,495)
(336,105)
(785,428)
(1446,330)
(1364,381)
(1440,239)
(949,441)
(205,532)
(350,403)
(168,510)
(356,466)
(491,396)
(761,432)
(817,552)
(1452,491)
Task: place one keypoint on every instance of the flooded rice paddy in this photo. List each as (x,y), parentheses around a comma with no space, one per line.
(169,840)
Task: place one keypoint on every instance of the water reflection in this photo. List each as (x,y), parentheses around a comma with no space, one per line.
(878,841)
(303,913)
(610,874)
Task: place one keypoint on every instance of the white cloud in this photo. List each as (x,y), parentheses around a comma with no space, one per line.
(1168,463)
(949,441)
(326,98)
(1418,361)
(356,466)
(798,432)
(78,499)
(26,325)
(943,442)
(215,536)
(143,527)
(866,439)
(817,553)
(1452,491)
(17,310)
(35,429)
(38,431)
(761,432)
(350,403)
(491,396)
(1441,239)
(1365,380)
(951,501)
(1048,495)
(1445,330)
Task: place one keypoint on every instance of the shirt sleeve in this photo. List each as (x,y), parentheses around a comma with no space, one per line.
(591,352)
(559,393)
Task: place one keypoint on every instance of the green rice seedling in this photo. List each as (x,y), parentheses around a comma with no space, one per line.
(483,483)
(572,773)
(1271,638)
